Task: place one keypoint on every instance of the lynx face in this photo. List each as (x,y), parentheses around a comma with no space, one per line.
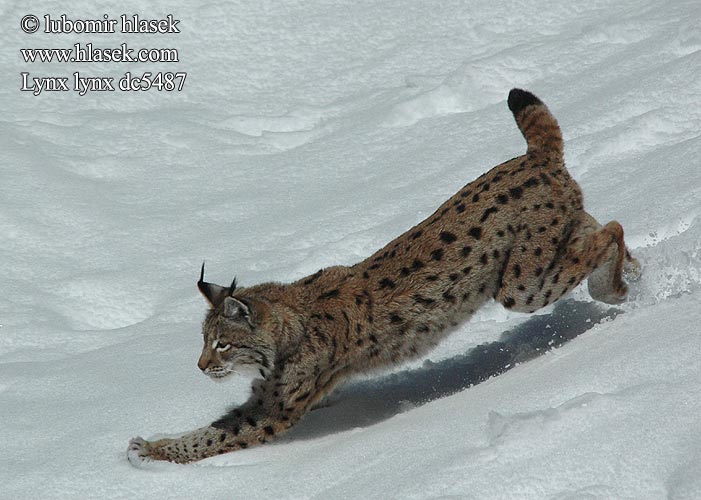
(234,341)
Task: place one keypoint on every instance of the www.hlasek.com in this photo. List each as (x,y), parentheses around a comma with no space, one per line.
(88,53)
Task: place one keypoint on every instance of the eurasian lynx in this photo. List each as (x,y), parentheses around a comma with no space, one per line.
(518,234)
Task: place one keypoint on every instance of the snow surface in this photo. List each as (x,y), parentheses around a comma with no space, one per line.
(309,134)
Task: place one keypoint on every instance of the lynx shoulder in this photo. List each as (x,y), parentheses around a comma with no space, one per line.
(518,234)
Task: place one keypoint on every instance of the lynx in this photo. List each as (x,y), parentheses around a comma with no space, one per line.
(518,234)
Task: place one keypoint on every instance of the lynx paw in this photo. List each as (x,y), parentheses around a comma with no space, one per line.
(138,452)
(615,296)
(632,269)
(619,294)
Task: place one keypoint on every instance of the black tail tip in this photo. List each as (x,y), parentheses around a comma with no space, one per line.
(519,99)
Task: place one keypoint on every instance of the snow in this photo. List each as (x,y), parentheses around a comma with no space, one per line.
(309,134)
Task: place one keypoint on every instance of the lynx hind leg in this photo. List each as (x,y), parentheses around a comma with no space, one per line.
(603,282)
(592,250)
(601,256)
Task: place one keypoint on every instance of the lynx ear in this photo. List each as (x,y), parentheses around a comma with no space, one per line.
(214,294)
(235,309)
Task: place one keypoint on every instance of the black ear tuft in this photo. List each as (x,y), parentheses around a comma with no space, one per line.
(214,294)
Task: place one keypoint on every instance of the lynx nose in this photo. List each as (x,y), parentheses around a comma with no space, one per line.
(203,362)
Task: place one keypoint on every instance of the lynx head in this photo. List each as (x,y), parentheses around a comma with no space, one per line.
(236,332)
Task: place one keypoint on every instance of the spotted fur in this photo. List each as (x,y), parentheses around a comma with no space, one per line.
(518,234)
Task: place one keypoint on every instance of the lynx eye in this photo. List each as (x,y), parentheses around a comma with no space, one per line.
(221,347)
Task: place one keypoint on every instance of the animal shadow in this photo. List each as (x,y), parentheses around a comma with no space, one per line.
(362,403)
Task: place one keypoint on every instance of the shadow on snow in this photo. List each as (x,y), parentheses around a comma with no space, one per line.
(366,402)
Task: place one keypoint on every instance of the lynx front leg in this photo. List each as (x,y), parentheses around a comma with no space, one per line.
(275,406)
(239,430)
(249,425)
(196,445)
